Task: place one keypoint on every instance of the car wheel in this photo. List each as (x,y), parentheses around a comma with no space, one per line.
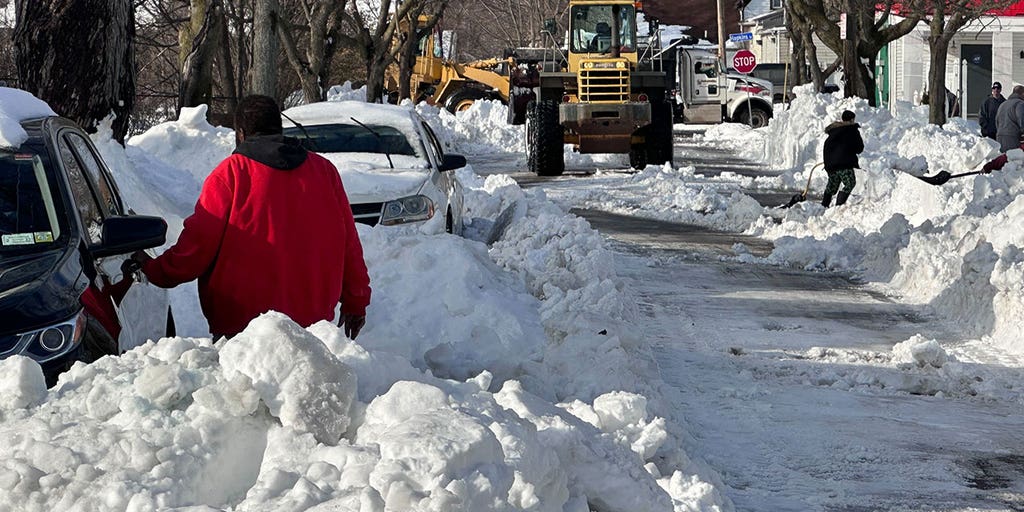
(760,117)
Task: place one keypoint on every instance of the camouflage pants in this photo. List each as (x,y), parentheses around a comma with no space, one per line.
(844,176)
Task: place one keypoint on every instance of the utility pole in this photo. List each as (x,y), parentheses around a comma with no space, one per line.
(721,35)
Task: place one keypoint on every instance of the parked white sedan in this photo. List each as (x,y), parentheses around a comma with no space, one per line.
(390,161)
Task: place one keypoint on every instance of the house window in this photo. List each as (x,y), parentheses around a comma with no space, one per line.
(775,4)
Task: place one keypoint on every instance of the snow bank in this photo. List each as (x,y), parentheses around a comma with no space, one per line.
(16,106)
(517,382)
(191,143)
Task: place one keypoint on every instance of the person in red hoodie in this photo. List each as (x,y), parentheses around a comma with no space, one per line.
(272,230)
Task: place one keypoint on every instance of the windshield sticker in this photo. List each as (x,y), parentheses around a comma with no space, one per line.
(43,237)
(21,157)
(18,239)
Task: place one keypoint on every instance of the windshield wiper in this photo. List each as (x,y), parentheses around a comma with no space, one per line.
(304,134)
(379,139)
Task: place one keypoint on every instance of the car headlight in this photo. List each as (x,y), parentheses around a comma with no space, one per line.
(53,341)
(407,209)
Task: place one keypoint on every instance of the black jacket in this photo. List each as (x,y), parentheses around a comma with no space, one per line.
(987,115)
(842,146)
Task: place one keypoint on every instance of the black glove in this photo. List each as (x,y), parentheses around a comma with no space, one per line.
(134,264)
(352,324)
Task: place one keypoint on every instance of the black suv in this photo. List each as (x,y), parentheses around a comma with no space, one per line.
(64,237)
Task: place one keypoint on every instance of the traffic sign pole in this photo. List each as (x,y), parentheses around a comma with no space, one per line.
(744,62)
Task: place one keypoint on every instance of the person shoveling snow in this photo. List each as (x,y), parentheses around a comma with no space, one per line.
(842,146)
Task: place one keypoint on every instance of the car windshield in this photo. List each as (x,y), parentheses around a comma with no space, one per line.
(350,138)
(29,218)
(591,28)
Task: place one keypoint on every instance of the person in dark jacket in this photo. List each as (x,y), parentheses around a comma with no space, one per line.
(987,114)
(1010,120)
(842,145)
(272,230)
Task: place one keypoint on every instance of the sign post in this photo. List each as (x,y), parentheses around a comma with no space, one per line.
(744,62)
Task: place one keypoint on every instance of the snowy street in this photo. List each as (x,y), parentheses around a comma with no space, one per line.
(783,377)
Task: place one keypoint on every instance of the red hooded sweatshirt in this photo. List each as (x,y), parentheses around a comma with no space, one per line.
(272,230)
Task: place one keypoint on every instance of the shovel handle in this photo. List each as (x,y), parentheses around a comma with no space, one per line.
(808,187)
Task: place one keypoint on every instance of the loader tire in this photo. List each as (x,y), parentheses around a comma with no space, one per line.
(544,139)
(659,141)
(463,99)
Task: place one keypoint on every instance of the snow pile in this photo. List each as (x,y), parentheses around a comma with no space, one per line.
(17,105)
(190,143)
(482,128)
(920,351)
(518,382)
(345,92)
(24,385)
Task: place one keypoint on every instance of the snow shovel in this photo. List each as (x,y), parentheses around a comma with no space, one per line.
(943,176)
(803,196)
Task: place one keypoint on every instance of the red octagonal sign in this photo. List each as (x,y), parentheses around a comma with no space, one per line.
(744,61)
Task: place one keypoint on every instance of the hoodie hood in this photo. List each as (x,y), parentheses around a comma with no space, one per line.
(277,151)
(840,124)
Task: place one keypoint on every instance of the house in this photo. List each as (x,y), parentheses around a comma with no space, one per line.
(986,50)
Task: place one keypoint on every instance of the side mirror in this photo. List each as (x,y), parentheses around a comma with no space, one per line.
(122,235)
(452,161)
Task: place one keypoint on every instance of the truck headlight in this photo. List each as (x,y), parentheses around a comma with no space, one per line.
(407,209)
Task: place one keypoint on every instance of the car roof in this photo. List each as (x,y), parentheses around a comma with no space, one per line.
(341,112)
(17,106)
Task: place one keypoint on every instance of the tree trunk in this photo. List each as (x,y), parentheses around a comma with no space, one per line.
(407,59)
(264,48)
(375,70)
(812,55)
(198,44)
(939,48)
(78,56)
(229,85)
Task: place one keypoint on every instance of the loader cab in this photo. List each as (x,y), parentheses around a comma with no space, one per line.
(602,31)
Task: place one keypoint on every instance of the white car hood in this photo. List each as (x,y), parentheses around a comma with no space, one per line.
(367,180)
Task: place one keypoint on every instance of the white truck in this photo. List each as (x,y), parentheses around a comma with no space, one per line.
(705,93)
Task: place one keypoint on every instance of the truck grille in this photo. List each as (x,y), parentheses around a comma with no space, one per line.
(604,85)
(367,213)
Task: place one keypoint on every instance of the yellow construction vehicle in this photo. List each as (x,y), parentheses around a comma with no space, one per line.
(607,92)
(439,80)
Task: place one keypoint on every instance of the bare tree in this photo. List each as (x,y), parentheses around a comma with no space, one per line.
(265,48)
(319,26)
(944,21)
(409,39)
(78,56)
(199,40)
(868,30)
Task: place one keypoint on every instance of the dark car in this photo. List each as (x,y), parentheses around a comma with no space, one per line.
(64,236)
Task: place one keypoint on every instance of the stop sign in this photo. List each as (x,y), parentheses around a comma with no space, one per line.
(744,61)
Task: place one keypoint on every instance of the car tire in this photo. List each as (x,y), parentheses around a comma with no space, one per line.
(97,342)
(544,139)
